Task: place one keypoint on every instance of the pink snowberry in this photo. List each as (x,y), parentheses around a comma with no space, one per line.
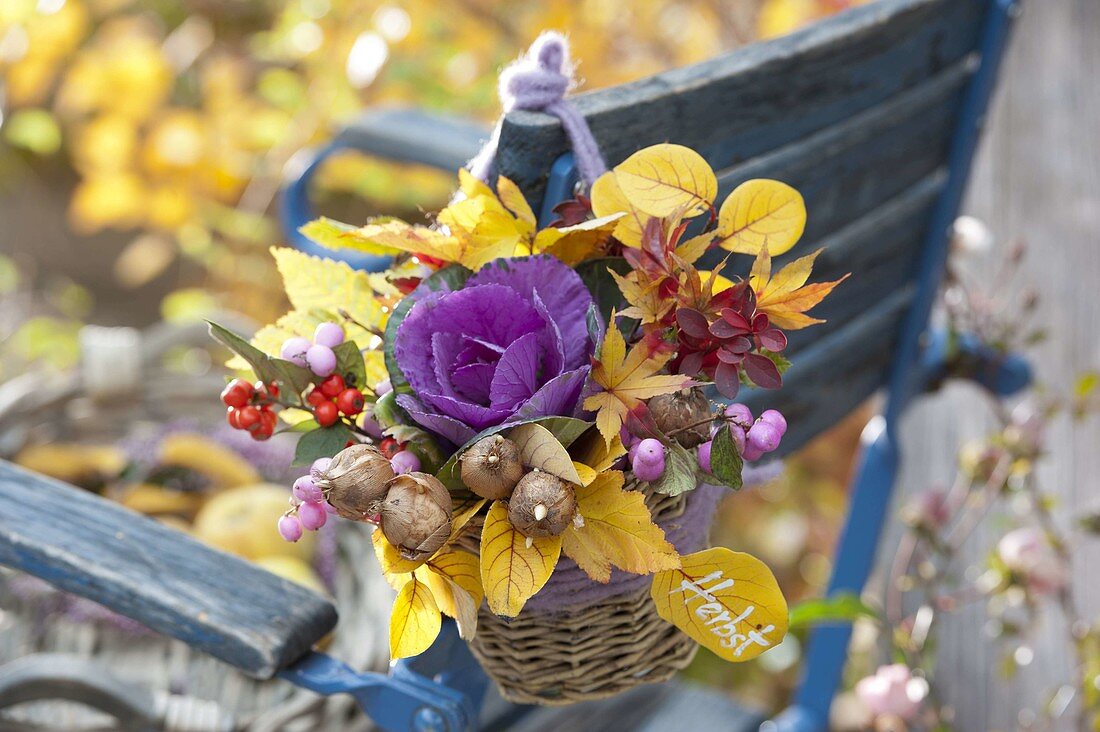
(775,419)
(764,436)
(328,334)
(294,350)
(751,453)
(704,455)
(321,360)
(405,462)
(290,528)
(739,414)
(312,515)
(305,490)
(648,462)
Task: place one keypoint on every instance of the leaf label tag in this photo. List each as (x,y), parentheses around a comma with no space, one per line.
(717,618)
(724,600)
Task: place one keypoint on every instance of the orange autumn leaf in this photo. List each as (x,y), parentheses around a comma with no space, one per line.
(786,297)
(626,380)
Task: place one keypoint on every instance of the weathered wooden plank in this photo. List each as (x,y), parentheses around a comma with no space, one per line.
(848,169)
(761,97)
(140,568)
(880,250)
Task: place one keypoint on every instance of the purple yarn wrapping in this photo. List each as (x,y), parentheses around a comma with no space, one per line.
(569,587)
(538,81)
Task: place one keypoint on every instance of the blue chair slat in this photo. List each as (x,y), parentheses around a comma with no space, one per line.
(163,578)
(762,97)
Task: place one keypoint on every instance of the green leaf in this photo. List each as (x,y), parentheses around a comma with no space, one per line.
(565,429)
(452,278)
(321,442)
(840,608)
(680,475)
(265,367)
(349,364)
(725,462)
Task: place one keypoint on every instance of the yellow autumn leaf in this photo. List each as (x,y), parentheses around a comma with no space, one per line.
(538,448)
(415,620)
(608,200)
(645,299)
(471,186)
(464,505)
(786,297)
(726,601)
(574,244)
(761,214)
(665,179)
(384,237)
(617,530)
(587,474)
(454,578)
(591,450)
(626,379)
(395,568)
(315,283)
(513,567)
(512,198)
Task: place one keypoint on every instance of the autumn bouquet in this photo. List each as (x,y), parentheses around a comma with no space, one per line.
(505,395)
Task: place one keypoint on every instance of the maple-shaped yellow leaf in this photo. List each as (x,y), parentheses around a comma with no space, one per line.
(760,214)
(626,379)
(513,566)
(415,620)
(617,530)
(646,302)
(593,452)
(726,601)
(608,200)
(574,244)
(665,179)
(786,297)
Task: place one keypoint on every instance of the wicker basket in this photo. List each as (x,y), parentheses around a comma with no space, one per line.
(196,693)
(571,653)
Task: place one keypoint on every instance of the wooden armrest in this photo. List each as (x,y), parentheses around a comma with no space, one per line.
(156,575)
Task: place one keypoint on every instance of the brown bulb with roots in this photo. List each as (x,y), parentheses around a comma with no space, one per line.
(416,515)
(356,481)
(491,467)
(542,505)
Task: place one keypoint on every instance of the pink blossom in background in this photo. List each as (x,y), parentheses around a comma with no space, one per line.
(1028,553)
(893,690)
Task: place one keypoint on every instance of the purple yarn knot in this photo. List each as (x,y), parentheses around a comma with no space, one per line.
(538,81)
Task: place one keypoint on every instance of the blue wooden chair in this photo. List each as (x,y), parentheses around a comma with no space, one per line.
(873,115)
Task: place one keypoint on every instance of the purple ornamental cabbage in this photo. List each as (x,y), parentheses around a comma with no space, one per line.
(511,345)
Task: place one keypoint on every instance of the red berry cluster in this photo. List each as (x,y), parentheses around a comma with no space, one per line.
(331,398)
(250,407)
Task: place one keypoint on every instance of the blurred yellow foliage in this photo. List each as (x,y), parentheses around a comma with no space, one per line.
(180,115)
